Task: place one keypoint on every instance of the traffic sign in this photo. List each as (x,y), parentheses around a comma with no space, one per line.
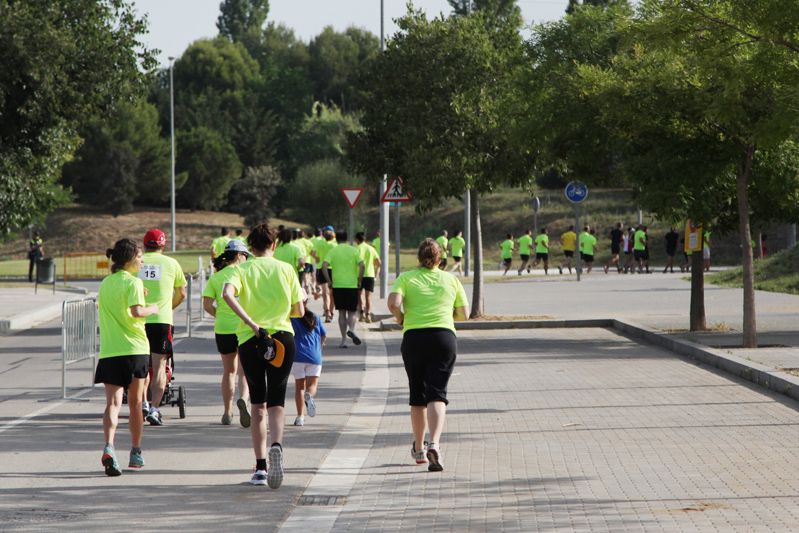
(576,191)
(396,192)
(352,196)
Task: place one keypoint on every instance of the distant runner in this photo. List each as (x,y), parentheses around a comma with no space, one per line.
(542,250)
(443,243)
(568,243)
(458,244)
(525,251)
(507,252)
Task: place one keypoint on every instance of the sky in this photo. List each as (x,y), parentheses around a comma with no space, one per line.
(175,24)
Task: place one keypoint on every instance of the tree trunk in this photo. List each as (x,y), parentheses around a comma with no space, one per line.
(698,320)
(742,183)
(478,307)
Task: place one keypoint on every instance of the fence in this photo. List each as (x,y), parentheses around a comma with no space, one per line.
(85,265)
(78,336)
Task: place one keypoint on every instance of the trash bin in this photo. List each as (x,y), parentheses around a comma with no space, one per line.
(45,270)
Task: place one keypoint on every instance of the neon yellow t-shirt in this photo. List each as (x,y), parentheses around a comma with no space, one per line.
(344,260)
(569,241)
(307,246)
(267,288)
(507,249)
(542,244)
(219,244)
(429,298)
(368,256)
(322,247)
(161,276)
(587,243)
(376,244)
(290,253)
(457,244)
(226,322)
(120,332)
(442,243)
(525,244)
(639,241)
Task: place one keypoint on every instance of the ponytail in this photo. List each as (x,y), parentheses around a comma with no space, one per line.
(309,319)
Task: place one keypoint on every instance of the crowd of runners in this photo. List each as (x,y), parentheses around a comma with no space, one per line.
(264,331)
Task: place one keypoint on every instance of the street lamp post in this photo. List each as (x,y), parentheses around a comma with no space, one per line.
(172,148)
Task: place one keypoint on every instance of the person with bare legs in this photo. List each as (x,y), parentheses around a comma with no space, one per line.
(507,247)
(457,244)
(525,251)
(309,337)
(542,250)
(372,264)
(348,270)
(568,243)
(616,239)
(672,238)
(321,249)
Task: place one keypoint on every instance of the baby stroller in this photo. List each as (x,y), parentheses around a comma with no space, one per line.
(173,394)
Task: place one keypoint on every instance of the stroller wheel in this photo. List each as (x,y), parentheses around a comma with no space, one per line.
(182,401)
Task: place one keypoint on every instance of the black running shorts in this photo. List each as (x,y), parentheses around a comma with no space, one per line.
(345,299)
(568,253)
(368,284)
(544,256)
(320,276)
(267,383)
(160,337)
(226,343)
(121,370)
(429,357)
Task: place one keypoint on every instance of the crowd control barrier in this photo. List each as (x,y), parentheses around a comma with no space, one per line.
(78,336)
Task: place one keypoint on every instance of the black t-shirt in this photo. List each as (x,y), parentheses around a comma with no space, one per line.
(671,241)
(616,236)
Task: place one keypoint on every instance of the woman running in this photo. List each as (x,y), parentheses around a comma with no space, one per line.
(269,293)
(309,338)
(225,324)
(124,349)
(425,302)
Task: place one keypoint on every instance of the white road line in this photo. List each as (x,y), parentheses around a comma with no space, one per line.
(338,473)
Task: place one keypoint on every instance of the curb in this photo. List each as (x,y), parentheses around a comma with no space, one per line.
(763,376)
(29,320)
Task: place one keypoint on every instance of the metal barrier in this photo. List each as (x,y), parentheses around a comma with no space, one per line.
(189,296)
(78,336)
(85,265)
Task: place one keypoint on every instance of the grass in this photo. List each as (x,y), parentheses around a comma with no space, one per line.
(776,273)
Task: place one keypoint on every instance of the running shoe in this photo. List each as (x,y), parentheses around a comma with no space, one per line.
(434,458)
(244,414)
(258,478)
(310,405)
(154,417)
(136,460)
(145,408)
(274,474)
(227,420)
(419,455)
(355,340)
(110,463)
(299,421)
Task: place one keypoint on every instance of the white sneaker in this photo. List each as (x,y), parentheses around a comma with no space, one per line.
(274,474)
(434,458)
(310,405)
(299,421)
(258,478)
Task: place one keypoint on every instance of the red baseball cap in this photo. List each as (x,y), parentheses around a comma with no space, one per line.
(155,238)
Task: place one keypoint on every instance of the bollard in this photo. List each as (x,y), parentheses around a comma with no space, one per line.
(188,306)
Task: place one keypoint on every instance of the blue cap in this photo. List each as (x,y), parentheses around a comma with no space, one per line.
(328,228)
(236,246)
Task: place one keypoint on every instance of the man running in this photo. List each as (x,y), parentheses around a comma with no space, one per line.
(218,244)
(348,269)
(443,243)
(542,250)
(568,242)
(321,248)
(35,253)
(507,252)
(672,237)
(639,248)
(457,243)
(616,238)
(371,262)
(587,246)
(525,250)
(165,286)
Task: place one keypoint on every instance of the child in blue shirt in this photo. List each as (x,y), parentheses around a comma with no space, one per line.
(309,337)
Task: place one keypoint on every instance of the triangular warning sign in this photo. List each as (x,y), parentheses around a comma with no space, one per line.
(396,192)
(352,196)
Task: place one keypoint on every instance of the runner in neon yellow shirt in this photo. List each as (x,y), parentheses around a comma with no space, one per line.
(348,270)
(371,263)
(269,293)
(124,349)
(225,325)
(507,252)
(166,286)
(639,247)
(458,244)
(218,244)
(289,251)
(443,243)
(525,250)
(425,302)
(327,243)
(542,250)
(587,245)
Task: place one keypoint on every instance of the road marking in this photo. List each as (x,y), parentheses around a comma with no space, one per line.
(338,472)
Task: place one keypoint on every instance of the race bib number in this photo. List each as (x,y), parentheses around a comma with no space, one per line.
(150,272)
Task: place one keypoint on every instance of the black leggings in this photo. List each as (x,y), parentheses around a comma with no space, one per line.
(267,383)
(429,356)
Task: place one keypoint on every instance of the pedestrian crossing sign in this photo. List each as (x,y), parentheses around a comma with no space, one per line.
(396,192)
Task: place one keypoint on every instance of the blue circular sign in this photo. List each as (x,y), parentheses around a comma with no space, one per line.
(576,191)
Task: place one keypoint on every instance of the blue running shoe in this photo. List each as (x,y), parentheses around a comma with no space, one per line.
(258,478)
(136,460)
(110,463)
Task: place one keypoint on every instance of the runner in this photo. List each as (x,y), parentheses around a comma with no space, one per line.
(307,275)
(269,293)
(525,250)
(629,243)
(425,302)
(706,250)
(290,252)
(165,285)
(458,244)
(542,250)
(35,253)
(309,337)
(507,252)
(616,238)
(347,278)
(371,263)
(123,349)
(225,324)
(239,237)
(376,242)
(327,243)
(672,237)
(218,244)
(587,246)
(443,243)
(639,248)
(646,251)
(568,242)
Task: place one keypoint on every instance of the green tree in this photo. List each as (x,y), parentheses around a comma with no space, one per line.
(576,4)
(211,168)
(504,10)
(435,114)
(252,196)
(63,62)
(324,134)
(242,20)
(315,196)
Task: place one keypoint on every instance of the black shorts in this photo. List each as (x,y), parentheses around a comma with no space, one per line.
(320,276)
(309,268)
(615,249)
(443,263)
(671,253)
(524,257)
(639,255)
(540,255)
(267,383)
(122,369)
(226,343)
(568,253)
(345,299)
(587,258)
(507,261)
(456,258)
(368,284)
(429,356)
(160,337)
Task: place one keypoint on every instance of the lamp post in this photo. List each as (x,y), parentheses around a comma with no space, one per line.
(172,148)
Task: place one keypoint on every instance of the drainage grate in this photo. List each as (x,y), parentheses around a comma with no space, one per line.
(322,500)
(36,516)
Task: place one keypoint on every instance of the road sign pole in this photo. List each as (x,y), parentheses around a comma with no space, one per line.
(351,229)
(383,251)
(467,230)
(397,240)
(576,192)
(578,258)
